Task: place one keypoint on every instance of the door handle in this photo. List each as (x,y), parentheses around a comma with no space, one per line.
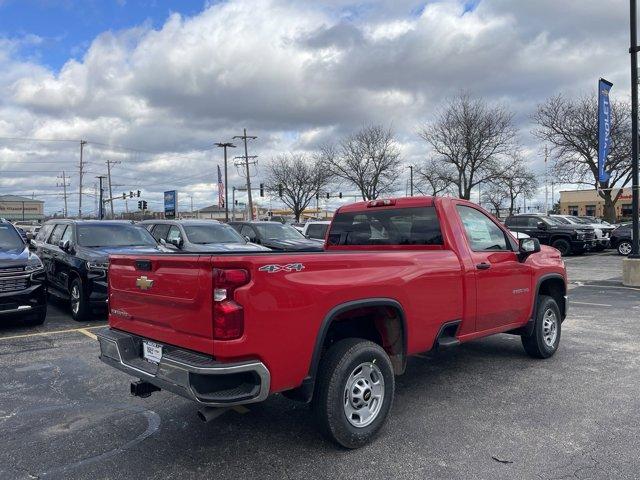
(483,266)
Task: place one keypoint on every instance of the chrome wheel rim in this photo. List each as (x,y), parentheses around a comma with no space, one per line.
(363,394)
(625,248)
(549,327)
(75,299)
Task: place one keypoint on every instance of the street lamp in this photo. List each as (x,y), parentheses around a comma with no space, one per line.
(226,192)
(631,265)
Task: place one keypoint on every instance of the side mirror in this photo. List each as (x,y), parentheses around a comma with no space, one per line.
(65,246)
(528,246)
(176,242)
(246,237)
(32,244)
(29,236)
(542,226)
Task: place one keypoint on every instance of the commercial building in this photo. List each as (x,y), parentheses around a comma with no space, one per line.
(588,202)
(16,208)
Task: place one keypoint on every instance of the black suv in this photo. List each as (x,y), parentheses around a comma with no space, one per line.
(621,239)
(277,236)
(75,254)
(567,238)
(23,288)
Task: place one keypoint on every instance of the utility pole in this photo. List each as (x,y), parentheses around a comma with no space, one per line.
(64,186)
(109,163)
(411,179)
(233,205)
(246,157)
(226,188)
(546,180)
(81,172)
(100,196)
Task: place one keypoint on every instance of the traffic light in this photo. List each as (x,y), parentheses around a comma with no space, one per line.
(340,195)
(124,196)
(327,195)
(262,189)
(140,205)
(236,202)
(138,193)
(280,190)
(130,194)
(144,205)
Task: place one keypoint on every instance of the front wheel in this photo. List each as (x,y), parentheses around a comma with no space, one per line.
(545,338)
(80,309)
(354,392)
(624,248)
(563,246)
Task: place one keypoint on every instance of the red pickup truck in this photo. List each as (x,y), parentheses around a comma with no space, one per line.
(397,277)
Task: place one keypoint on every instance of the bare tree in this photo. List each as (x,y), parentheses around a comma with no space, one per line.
(495,198)
(433,178)
(369,159)
(472,137)
(299,178)
(570,126)
(517,181)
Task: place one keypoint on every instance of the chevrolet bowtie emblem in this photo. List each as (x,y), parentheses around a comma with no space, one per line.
(143,283)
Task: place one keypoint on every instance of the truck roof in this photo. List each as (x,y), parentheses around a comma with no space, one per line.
(405,202)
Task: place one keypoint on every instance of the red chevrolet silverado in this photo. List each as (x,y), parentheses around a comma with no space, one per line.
(397,277)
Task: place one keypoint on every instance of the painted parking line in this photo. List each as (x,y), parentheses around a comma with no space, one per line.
(54,332)
(86,332)
(591,304)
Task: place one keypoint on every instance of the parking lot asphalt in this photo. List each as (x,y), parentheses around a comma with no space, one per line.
(483,410)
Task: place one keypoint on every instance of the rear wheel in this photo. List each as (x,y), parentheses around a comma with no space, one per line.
(78,302)
(354,392)
(624,247)
(545,338)
(563,246)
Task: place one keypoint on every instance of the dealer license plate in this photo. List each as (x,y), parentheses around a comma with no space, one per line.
(151,352)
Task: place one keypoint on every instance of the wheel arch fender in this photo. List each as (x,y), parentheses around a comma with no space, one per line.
(554,285)
(305,391)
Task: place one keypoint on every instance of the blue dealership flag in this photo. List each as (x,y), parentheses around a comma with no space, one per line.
(604,127)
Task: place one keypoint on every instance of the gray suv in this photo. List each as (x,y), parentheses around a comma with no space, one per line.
(197,236)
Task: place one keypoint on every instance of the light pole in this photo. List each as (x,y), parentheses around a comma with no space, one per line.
(635,236)
(226,192)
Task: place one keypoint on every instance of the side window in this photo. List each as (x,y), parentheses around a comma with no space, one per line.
(247,231)
(174,234)
(44,232)
(56,236)
(515,222)
(160,231)
(480,230)
(68,234)
(532,222)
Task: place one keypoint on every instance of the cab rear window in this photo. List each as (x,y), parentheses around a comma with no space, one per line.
(400,226)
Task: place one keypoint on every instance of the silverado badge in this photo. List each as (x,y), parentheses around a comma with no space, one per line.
(143,283)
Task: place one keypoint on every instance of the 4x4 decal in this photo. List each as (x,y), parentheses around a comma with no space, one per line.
(290,267)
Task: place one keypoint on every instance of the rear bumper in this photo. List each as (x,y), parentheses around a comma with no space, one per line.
(186,373)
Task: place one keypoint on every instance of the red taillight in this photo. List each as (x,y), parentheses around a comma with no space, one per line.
(228,320)
(228,316)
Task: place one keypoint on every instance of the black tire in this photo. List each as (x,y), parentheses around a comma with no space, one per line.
(83,310)
(539,344)
(337,368)
(564,246)
(624,247)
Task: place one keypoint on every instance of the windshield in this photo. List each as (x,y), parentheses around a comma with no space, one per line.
(278,231)
(213,233)
(114,235)
(9,238)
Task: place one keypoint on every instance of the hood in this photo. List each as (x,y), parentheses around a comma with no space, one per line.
(224,247)
(294,245)
(15,257)
(102,253)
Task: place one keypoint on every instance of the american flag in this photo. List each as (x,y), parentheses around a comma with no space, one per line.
(220,189)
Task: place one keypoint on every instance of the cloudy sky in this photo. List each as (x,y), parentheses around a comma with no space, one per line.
(154,83)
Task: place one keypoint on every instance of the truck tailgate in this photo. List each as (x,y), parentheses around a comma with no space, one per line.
(167,298)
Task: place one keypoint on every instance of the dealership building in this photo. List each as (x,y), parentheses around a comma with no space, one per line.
(589,203)
(16,208)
